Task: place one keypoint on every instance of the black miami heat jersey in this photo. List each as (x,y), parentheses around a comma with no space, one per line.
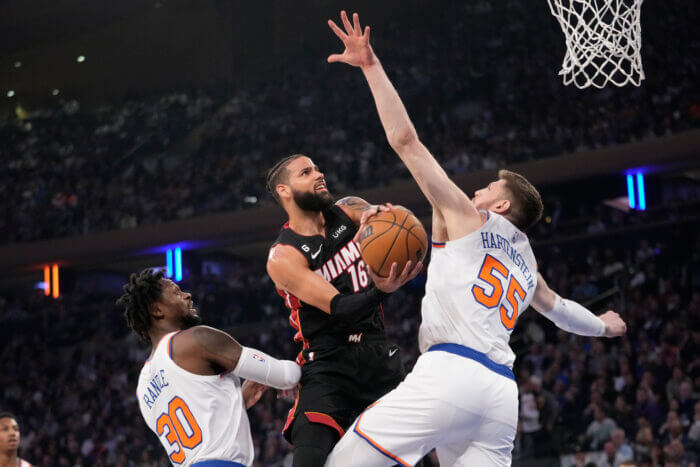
(337,259)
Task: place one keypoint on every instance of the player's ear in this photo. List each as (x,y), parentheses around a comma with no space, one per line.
(283,191)
(157,310)
(501,206)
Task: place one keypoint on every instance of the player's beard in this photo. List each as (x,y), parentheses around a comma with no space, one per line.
(312,201)
(189,321)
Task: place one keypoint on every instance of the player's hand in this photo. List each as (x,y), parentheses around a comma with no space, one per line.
(357,51)
(614,325)
(368,214)
(395,280)
(252,392)
(288,395)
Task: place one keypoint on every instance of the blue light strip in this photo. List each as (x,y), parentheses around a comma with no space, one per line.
(169,263)
(640,191)
(178,264)
(630,190)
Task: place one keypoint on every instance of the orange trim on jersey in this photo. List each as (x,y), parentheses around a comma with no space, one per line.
(300,358)
(294,305)
(156,348)
(374,444)
(170,344)
(488,214)
(290,415)
(324,419)
(438,245)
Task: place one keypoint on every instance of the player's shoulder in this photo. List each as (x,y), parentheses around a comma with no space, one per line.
(351,207)
(195,334)
(352,202)
(282,255)
(192,341)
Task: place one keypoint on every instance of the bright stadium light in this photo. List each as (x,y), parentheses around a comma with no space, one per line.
(630,191)
(641,192)
(47,281)
(55,92)
(18,64)
(10,93)
(178,264)
(169,263)
(80,59)
(55,292)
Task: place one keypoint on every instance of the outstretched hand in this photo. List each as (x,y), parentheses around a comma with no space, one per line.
(357,51)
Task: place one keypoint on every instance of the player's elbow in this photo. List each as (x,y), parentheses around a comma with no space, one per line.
(402,138)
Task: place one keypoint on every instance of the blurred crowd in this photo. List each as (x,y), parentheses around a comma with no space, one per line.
(480,84)
(70,366)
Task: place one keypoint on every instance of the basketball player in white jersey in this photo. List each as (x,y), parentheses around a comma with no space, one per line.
(9,442)
(461,397)
(189,390)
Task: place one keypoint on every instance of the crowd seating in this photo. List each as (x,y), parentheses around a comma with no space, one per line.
(482,90)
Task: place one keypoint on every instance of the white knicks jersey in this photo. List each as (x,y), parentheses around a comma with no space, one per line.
(477,286)
(196,417)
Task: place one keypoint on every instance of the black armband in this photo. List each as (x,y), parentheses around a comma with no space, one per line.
(357,305)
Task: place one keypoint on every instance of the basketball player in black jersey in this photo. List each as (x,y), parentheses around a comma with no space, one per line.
(335,307)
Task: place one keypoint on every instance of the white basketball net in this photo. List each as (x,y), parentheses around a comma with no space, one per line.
(603,41)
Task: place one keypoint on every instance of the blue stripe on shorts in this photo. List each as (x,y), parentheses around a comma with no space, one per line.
(476,356)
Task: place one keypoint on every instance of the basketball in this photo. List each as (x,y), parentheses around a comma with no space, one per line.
(393,236)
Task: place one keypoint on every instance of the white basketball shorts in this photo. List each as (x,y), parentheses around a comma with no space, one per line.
(464,405)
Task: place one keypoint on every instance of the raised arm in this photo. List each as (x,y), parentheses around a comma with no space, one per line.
(572,317)
(442,193)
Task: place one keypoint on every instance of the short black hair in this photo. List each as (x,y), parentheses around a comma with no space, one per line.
(140,293)
(278,173)
(9,415)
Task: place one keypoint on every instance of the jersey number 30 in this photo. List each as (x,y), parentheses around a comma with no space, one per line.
(182,429)
(494,273)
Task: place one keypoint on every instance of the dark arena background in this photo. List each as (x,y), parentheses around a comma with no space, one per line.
(137,134)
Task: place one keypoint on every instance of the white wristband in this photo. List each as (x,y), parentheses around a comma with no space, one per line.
(572,317)
(261,368)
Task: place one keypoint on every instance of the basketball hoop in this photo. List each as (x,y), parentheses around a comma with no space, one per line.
(603,41)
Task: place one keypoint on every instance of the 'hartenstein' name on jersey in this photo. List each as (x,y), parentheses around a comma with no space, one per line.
(155,388)
(490,240)
(342,260)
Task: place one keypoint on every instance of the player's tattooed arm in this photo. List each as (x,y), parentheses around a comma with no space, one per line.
(354,206)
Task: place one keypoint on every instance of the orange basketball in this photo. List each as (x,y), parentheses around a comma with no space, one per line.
(393,236)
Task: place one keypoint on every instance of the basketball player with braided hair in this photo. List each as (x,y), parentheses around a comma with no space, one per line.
(334,305)
(461,397)
(189,390)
